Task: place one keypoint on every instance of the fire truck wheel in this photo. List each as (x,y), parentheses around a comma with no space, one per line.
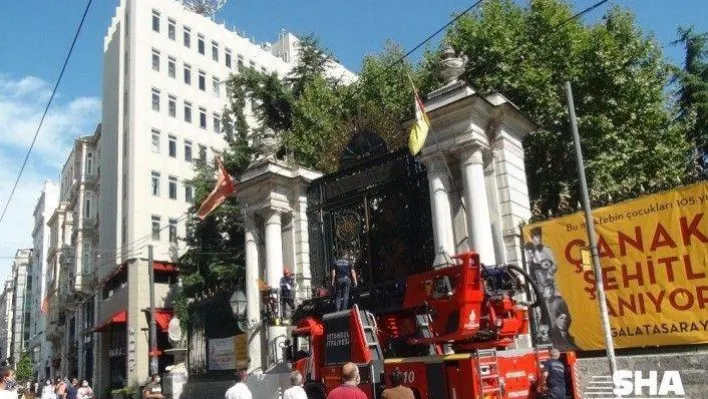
(314,390)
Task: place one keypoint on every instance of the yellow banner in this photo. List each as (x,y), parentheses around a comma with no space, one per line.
(654,257)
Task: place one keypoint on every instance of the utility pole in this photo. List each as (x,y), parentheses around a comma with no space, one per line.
(153,332)
(590,226)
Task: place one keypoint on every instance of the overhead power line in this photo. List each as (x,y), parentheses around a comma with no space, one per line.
(46,109)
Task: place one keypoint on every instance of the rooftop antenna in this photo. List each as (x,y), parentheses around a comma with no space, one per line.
(204,7)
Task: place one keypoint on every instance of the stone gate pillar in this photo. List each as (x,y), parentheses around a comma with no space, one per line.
(272,194)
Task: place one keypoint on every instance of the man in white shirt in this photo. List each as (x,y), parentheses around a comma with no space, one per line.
(295,391)
(239,390)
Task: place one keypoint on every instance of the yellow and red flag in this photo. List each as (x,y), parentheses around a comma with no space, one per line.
(419,131)
(224,187)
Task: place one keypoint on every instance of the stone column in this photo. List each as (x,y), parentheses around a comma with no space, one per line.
(274,271)
(439,186)
(479,224)
(253,311)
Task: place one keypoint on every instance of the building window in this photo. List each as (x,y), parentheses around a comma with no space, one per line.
(156,21)
(172,106)
(173,231)
(252,64)
(202,80)
(155,183)
(240,62)
(202,118)
(155,228)
(155,141)
(187,37)
(227,57)
(171,67)
(173,187)
(200,44)
(217,123)
(202,153)
(173,146)
(87,209)
(263,70)
(187,112)
(155,60)
(155,100)
(171,29)
(215,83)
(89,163)
(215,51)
(125,185)
(188,151)
(189,194)
(187,74)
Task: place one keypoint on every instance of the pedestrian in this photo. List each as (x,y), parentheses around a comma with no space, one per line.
(343,276)
(85,392)
(295,391)
(554,376)
(153,389)
(48,390)
(398,391)
(7,383)
(72,388)
(60,388)
(240,389)
(287,294)
(349,388)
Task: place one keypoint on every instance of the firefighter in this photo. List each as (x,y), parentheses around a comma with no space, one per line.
(343,276)
(554,376)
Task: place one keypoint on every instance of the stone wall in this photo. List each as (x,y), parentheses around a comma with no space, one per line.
(692,366)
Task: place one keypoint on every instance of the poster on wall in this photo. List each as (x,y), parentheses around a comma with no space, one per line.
(654,259)
(221,354)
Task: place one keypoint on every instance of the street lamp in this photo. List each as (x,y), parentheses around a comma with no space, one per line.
(239,307)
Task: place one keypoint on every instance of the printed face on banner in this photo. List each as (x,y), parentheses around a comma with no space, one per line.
(654,257)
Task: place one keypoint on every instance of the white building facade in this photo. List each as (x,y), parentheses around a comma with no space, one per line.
(6,320)
(163,98)
(38,345)
(21,299)
(70,263)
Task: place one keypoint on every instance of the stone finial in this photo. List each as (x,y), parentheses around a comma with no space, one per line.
(269,143)
(451,66)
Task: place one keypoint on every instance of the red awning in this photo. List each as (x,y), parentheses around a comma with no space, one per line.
(165,267)
(118,318)
(162,318)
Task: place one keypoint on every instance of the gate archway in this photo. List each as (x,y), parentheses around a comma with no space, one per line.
(375,208)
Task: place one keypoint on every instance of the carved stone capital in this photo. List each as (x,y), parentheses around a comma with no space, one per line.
(472,155)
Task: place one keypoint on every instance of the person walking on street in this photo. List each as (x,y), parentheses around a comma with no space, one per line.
(398,391)
(343,275)
(60,388)
(554,376)
(48,390)
(85,392)
(72,389)
(295,391)
(153,389)
(7,383)
(240,389)
(349,389)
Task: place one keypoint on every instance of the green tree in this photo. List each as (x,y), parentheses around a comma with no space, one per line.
(692,90)
(24,370)
(618,75)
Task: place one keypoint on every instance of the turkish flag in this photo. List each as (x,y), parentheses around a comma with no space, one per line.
(224,187)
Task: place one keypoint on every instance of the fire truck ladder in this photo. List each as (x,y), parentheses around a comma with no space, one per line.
(368,323)
(488,372)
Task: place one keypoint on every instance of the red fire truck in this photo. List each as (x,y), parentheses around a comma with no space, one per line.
(452,339)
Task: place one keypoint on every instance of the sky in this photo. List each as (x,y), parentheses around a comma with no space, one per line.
(37,34)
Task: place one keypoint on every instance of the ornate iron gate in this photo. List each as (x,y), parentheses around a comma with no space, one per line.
(375,209)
